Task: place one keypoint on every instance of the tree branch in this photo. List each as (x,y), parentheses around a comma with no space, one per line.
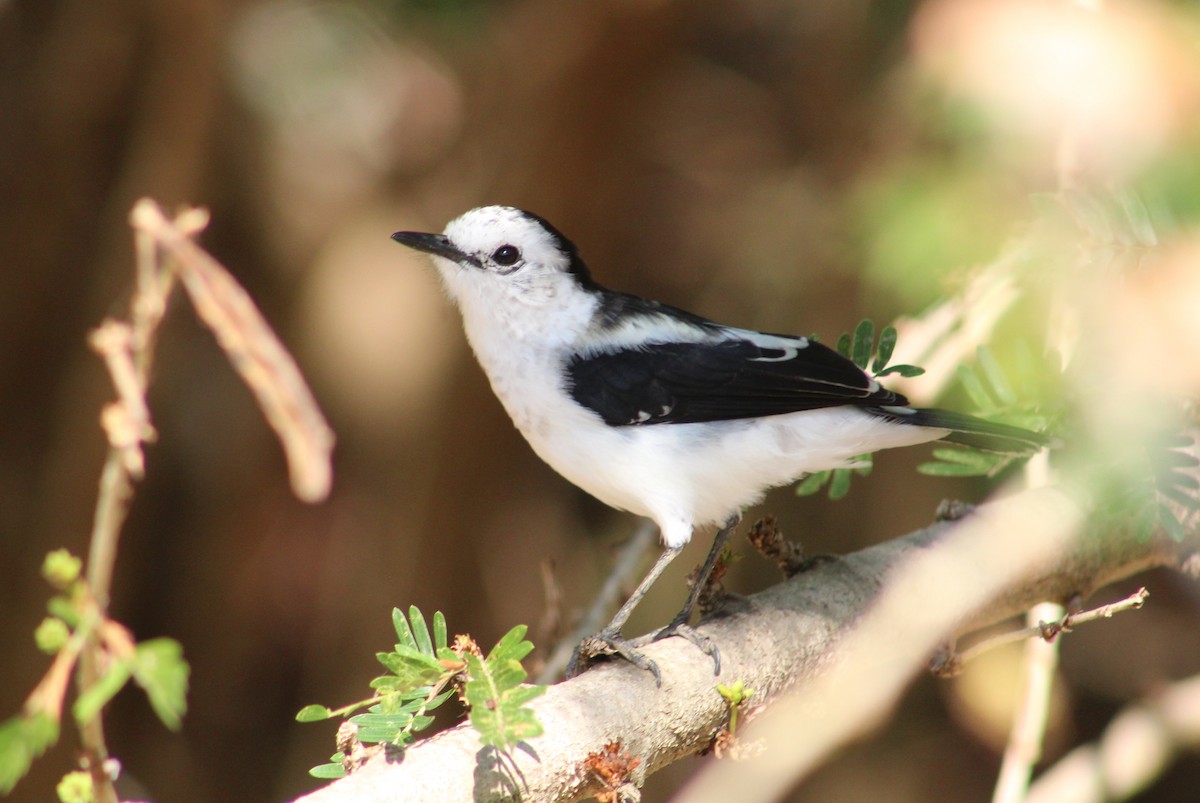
(776,639)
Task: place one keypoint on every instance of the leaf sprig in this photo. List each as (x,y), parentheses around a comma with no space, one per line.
(864,351)
(423,672)
(1158,489)
(76,622)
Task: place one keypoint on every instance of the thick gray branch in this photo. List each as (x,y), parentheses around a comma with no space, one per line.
(772,640)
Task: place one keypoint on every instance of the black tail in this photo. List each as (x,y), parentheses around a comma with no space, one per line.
(969,430)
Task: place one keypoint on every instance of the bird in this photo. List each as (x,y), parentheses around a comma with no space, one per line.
(659,411)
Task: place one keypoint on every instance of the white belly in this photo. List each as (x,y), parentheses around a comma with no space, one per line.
(680,475)
(688,475)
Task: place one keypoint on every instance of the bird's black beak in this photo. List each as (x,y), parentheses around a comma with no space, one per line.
(436,244)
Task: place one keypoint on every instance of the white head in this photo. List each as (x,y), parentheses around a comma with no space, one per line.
(502,256)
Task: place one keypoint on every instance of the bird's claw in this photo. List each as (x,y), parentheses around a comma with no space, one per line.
(608,642)
(611,643)
(684,630)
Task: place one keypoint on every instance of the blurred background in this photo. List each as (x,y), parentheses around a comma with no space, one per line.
(786,166)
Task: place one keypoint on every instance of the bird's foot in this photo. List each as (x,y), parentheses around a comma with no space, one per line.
(680,627)
(610,642)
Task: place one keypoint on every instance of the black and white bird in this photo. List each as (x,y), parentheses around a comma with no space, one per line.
(658,411)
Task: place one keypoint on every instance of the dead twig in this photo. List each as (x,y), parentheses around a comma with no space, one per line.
(951,663)
(255,352)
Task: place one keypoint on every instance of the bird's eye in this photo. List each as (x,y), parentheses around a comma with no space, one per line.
(506,255)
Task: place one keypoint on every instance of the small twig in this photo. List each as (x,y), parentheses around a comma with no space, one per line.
(551,623)
(127,351)
(629,560)
(1046,630)
(126,422)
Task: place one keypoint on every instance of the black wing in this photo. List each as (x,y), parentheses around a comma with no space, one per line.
(678,383)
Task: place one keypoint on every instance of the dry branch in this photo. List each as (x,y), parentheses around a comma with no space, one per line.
(255,352)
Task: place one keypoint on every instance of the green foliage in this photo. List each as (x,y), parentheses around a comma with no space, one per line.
(736,695)
(158,667)
(1149,491)
(413,686)
(862,348)
(497,693)
(422,674)
(333,770)
(837,479)
(89,703)
(22,739)
(76,625)
(959,461)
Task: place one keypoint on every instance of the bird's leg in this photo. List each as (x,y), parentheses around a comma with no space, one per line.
(610,641)
(679,625)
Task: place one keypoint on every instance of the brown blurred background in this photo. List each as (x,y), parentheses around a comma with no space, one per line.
(751,160)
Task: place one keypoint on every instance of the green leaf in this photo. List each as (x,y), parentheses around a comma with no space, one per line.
(378,727)
(1171,524)
(496,696)
(410,669)
(903,369)
(403,697)
(975,389)
(23,739)
(96,696)
(843,344)
(159,668)
(1138,216)
(887,344)
(512,646)
(404,634)
(1181,498)
(813,483)
(1180,481)
(313,713)
(1173,458)
(735,693)
(935,469)
(329,772)
(439,631)
(995,377)
(420,630)
(839,485)
(437,701)
(956,462)
(864,343)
